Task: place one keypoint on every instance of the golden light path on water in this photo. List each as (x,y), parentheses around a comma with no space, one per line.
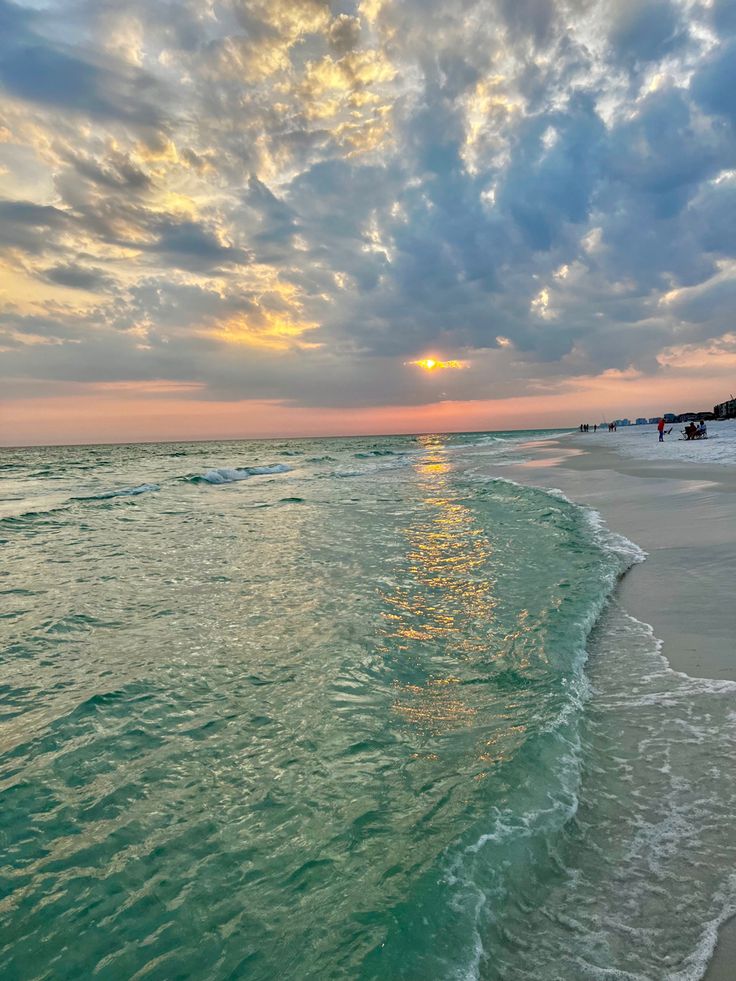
(445,609)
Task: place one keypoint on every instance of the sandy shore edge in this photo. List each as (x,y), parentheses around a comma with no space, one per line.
(684,516)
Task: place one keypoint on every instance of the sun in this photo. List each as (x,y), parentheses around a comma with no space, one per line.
(432,364)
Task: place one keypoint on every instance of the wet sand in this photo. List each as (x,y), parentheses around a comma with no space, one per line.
(684,516)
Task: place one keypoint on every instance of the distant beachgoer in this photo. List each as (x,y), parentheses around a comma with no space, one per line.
(660,430)
(595,427)
(702,429)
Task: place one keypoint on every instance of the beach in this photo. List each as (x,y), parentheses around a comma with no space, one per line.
(450,706)
(682,512)
(368,490)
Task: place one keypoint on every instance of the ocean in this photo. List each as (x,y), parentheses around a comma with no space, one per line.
(342,709)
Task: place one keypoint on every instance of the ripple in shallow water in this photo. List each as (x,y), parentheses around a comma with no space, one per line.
(315,736)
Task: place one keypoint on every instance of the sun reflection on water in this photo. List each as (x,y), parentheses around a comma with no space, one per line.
(443,609)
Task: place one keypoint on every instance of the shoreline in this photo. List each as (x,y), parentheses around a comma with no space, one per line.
(684,517)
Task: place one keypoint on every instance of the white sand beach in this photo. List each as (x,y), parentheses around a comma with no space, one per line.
(678,502)
(683,514)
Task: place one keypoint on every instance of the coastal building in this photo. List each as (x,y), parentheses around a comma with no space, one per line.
(669,417)
(641,421)
(654,420)
(695,416)
(622,422)
(725,410)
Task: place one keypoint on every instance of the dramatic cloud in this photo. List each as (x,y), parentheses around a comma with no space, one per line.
(303,200)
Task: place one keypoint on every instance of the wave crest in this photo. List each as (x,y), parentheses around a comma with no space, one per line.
(121,492)
(371,453)
(228,475)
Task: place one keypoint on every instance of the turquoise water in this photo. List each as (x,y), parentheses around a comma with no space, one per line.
(322,709)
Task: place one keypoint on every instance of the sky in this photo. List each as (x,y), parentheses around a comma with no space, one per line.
(223,218)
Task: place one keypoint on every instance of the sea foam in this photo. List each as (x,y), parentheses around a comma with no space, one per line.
(228,475)
(119,492)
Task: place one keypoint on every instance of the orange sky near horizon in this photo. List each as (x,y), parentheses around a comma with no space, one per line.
(92,416)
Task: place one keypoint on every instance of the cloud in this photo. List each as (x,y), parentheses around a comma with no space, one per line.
(293,200)
(532,18)
(344,33)
(78,277)
(37,70)
(118,172)
(646,31)
(26,213)
(191,245)
(712,214)
(714,85)
(26,226)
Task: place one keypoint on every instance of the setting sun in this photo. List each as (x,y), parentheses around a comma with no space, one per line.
(430,364)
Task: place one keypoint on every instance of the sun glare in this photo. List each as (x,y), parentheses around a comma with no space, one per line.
(430,364)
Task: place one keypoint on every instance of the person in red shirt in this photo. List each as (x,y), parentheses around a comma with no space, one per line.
(660,429)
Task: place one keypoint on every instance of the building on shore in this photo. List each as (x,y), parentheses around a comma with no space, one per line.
(725,410)
(694,416)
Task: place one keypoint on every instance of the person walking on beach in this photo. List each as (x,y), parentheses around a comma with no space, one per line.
(660,430)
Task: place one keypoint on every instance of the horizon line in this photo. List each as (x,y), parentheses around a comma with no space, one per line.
(242,439)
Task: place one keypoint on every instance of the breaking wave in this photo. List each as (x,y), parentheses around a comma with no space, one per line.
(121,492)
(372,453)
(229,475)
